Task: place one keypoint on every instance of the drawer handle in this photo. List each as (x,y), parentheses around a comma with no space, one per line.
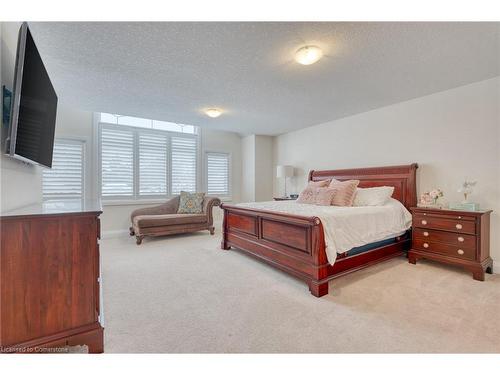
(424,222)
(460,239)
(426,234)
(458,226)
(426,245)
(460,251)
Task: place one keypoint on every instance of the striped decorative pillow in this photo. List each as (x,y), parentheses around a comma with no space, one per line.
(345,191)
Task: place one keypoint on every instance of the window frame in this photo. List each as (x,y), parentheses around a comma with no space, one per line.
(137,199)
(85,179)
(229,196)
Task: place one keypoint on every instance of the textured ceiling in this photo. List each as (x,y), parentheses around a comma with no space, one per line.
(171,71)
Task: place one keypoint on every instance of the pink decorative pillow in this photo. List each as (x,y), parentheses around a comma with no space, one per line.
(307,195)
(321,183)
(345,191)
(321,196)
(324,196)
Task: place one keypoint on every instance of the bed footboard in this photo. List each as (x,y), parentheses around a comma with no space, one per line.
(294,244)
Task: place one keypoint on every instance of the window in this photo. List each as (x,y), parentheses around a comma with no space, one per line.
(65,180)
(146,123)
(117,162)
(217,173)
(183,164)
(143,159)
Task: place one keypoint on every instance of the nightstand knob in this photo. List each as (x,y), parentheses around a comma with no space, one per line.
(426,245)
(460,251)
(460,217)
(458,226)
(426,234)
(460,239)
(424,222)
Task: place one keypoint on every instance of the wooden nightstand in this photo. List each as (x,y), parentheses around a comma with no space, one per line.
(284,199)
(460,238)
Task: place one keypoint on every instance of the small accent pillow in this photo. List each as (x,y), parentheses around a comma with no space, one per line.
(344,192)
(321,196)
(321,183)
(375,196)
(191,203)
(324,196)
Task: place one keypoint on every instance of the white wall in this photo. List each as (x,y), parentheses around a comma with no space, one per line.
(451,135)
(20,183)
(264,170)
(248,169)
(257,172)
(73,123)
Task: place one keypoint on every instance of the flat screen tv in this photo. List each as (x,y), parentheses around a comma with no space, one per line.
(34,105)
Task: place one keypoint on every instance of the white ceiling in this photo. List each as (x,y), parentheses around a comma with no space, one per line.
(171,71)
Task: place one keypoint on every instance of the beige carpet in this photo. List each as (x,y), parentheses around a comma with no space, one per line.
(183,294)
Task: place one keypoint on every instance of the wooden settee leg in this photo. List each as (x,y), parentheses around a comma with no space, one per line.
(318,289)
(131,231)
(211,230)
(138,239)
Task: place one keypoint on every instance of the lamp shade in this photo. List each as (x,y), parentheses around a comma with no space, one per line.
(284,171)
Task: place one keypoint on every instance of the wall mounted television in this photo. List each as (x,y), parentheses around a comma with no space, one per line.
(34,105)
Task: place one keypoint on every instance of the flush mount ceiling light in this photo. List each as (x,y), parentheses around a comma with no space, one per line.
(213,112)
(308,55)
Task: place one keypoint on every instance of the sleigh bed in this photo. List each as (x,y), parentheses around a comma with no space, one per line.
(296,244)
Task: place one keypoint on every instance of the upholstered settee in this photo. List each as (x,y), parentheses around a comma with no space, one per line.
(164,220)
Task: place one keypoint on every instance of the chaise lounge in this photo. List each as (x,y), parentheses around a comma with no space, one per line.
(164,220)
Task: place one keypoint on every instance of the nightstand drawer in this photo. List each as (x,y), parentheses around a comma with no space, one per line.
(462,225)
(443,248)
(456,239)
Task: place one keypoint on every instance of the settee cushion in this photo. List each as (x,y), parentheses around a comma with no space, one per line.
(191,203)
(147,221)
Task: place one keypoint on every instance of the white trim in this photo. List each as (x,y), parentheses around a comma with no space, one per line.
(114,233)
(96,152)
(133,202)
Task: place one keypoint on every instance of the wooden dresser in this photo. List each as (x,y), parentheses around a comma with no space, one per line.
(49,275)
(459,238)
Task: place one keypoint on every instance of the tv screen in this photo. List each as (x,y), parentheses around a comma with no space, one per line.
(34,105)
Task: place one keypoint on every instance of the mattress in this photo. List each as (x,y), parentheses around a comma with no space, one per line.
(346,228)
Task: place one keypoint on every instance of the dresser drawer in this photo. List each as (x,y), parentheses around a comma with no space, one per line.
(443,248)
(459,224)
(456,239)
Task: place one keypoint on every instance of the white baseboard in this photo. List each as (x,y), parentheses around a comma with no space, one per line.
(114,233)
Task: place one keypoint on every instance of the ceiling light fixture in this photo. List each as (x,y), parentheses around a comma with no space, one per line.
(213,112)
(308,55)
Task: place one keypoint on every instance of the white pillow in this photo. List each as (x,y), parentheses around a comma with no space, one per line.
(375,196)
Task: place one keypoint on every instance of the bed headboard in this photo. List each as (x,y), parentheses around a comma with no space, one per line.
(402,177)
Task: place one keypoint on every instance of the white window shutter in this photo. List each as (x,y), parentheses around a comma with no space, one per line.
(217,173)
(66,178)
(153,148)
(183,154)
(117,162)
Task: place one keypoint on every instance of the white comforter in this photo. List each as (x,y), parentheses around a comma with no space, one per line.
(348,227)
